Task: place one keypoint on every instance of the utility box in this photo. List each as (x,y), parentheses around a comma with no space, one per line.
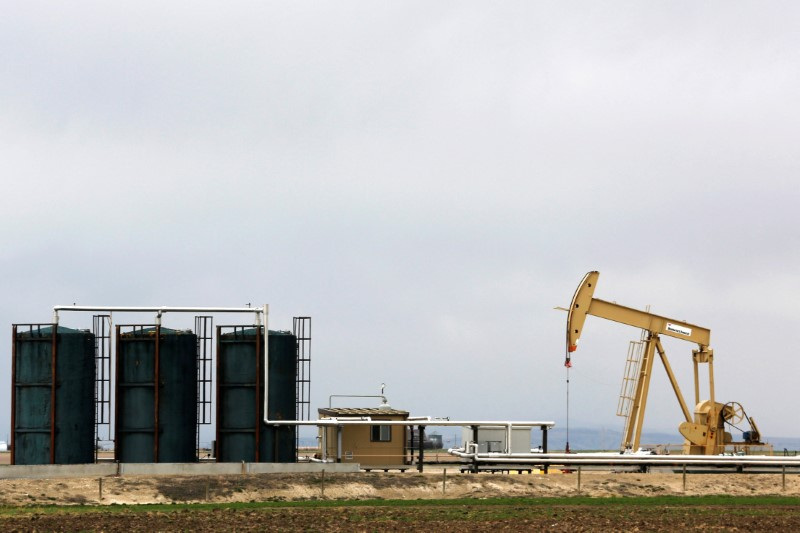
(494,438)
(369,444)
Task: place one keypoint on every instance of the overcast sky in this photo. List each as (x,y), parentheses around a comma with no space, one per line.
(427,180)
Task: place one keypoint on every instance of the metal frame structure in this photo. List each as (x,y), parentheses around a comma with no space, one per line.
(301,328)
(101,328)
(203,328)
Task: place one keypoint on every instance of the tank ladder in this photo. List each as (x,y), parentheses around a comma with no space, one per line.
(204,329)
(302,332)
(101,328)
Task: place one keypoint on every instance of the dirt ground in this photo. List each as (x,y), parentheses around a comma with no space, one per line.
(439,518)
(407,486)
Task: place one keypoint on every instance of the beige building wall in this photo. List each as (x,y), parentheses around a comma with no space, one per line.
(358,446)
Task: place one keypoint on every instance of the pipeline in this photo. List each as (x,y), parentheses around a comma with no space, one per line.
(159,310)
(622,459)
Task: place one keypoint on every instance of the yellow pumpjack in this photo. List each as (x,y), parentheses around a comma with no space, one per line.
(705,431)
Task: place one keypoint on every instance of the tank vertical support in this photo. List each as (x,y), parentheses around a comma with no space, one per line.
(13,392)
(53,376)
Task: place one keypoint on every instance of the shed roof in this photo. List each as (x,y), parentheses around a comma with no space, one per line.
(360,411)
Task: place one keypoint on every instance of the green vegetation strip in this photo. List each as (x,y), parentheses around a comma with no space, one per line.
(582,501)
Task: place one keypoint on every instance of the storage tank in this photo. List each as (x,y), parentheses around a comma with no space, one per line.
(241,432)
(52,412)
(156,424)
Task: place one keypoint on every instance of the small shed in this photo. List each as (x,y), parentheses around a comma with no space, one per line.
(368,444)
(495,439)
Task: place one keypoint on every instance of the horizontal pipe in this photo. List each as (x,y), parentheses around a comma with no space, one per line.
(621,459)
(163,309)
(490,424)
(612,457)
(160,310)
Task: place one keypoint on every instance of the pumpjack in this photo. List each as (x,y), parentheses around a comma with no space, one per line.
(705,429)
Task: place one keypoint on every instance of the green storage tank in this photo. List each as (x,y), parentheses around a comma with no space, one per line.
(52,412)
(241,432)
(156,424)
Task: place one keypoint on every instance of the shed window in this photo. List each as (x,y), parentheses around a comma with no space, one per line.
(381,434)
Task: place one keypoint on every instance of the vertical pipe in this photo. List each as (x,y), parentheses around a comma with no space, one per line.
(156,383)
(117,442)
(13,392)
(411,445)
(477,449)
(421,448)
(111,384)
(275,430)
(98,386)
(684,477)
(544,444)
(219,390)
(53,377)
(324,443)
(338,444)
(265,312)
(259,415)
(713,414)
